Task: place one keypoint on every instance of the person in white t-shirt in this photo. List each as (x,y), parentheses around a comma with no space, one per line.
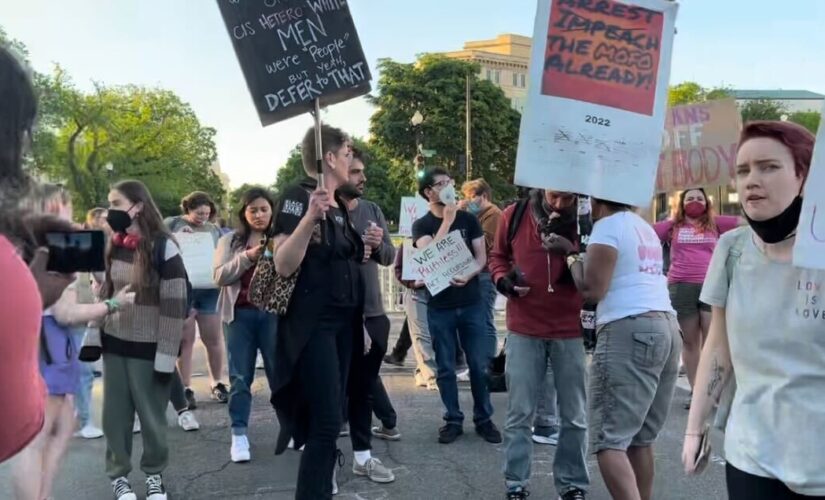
(636,361)
(767,328)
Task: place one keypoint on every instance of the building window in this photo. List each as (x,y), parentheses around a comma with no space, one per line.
(515,79)
(523,80)
(497,77)
(489,75)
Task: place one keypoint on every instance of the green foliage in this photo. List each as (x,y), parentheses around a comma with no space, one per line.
(808,119)
(291,172)
(435,86)
(762,109)
(692,92)
(145,134)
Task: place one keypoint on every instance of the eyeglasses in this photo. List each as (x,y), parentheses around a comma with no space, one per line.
(444,183)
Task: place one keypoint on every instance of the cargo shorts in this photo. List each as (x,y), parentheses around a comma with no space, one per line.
(632,380)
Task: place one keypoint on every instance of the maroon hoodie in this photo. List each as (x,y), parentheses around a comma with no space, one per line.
(540,313)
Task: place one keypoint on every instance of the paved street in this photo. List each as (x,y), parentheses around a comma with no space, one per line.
(469,469)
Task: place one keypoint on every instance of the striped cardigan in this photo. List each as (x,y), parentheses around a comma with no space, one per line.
(151,328)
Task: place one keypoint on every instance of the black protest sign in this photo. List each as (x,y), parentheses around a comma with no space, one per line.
(295,51)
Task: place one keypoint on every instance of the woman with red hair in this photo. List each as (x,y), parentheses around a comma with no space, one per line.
(692,235)
(767,329)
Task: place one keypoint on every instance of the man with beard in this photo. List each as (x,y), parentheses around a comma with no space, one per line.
(456,314)
(544,327)
(369,221)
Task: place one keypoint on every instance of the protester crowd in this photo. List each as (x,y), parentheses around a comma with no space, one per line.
(297,283)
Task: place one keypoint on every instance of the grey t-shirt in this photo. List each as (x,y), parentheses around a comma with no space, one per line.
(361,216)
(775,317)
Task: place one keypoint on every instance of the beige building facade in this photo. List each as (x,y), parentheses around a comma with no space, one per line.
(504,61)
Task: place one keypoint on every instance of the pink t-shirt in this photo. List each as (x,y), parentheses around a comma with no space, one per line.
(22,411)
(691,248)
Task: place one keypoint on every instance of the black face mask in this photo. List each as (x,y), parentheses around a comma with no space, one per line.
(778,228)
(118,220)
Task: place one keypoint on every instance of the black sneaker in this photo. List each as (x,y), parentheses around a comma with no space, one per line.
(190,398)
(574,494)
(489,432)
(449,433)
(391,359)
(219,393)
(518,494)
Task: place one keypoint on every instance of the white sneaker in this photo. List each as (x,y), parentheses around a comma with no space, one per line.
(188,422)
(154,488)
(240,449)
(463,376)
(136,427)
(89,431)
(122,489)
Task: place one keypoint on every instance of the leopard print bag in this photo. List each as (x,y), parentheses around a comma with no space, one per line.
(268,290)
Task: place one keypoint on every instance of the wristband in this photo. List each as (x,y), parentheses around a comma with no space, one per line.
(112,305)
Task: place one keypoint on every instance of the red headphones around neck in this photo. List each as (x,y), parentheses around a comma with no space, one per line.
(129,241)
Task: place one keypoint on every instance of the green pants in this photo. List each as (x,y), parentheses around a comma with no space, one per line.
(131,385)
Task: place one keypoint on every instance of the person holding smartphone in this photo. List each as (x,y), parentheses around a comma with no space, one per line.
(247,329)
(139,342)
(198,210)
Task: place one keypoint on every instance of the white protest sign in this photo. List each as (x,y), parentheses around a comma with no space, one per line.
(412,208)
(409,272)
(442,260)
(809,249)
(197,250)
(595,112)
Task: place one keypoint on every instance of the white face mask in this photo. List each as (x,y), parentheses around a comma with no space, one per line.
(447,195)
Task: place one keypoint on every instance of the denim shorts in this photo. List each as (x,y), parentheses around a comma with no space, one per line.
(205,301)
(633,376)
(685,299)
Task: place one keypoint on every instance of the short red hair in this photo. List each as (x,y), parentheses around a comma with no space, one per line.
(795,137)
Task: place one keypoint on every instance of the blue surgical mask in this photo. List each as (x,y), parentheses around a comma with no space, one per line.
(474,207)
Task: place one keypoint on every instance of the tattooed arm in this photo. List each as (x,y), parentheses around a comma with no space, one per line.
(714,373)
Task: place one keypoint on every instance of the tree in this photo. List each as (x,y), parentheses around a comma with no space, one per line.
(808,119)
(435,86)
(145,134)
(762,109)
(692,92)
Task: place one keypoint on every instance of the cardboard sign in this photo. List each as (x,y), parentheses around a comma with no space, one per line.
(699,146)
(412,208)
(409,271)
(442,260)
(197,250)
(594,124)
(809,249)
(295,51)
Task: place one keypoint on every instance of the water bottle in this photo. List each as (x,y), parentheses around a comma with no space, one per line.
(588,312)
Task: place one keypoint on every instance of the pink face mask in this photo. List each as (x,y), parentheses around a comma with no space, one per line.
(695,209)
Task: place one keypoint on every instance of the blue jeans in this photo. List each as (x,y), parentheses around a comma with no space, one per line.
(469,323)
(488,295)
(252,330)
(526,369)
(83,395)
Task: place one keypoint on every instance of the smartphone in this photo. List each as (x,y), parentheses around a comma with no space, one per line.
(76,251)
(703,453)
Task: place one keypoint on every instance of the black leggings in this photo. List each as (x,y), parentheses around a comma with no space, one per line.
(322,372)
(744,486)
(365,375)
